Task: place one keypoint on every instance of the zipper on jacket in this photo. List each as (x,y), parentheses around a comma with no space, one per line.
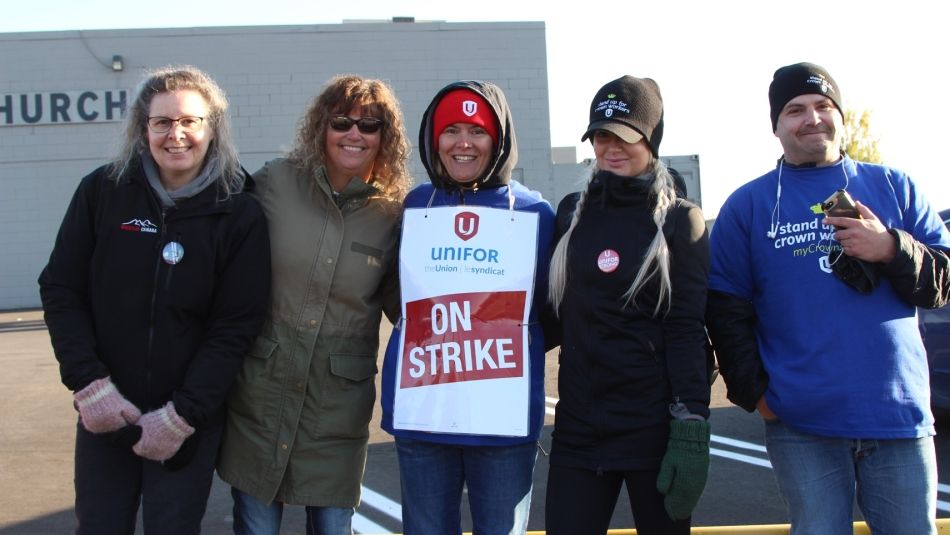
(159,243)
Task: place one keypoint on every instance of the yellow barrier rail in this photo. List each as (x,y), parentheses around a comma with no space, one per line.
(860,528)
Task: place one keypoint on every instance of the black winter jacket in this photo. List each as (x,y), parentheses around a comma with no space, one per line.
(620,367)
(162,331)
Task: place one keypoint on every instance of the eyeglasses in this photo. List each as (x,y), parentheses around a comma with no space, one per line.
(366,125)
(161,125)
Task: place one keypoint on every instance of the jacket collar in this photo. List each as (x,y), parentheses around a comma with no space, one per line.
(355,188)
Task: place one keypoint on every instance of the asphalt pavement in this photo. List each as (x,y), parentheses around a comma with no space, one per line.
(37,435)
(37,428)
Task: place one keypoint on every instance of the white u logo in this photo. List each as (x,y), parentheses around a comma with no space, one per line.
(466,230)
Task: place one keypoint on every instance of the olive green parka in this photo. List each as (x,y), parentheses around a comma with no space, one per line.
(299,412)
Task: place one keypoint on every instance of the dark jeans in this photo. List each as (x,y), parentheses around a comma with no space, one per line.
(111,481)
(581,502)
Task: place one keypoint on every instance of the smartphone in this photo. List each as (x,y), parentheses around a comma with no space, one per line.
(840,204)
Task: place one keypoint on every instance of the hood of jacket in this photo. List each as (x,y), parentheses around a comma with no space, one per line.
(498,172)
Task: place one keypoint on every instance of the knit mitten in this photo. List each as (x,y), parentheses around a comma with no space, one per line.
(163,432)
(685,467)
(102,408)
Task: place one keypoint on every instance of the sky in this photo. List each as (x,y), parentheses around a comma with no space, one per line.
(712,60)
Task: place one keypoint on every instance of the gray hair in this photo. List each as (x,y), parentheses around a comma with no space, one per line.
(221,152)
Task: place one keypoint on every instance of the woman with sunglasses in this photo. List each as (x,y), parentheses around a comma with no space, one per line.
(463,375)
(298,420)
(153,294)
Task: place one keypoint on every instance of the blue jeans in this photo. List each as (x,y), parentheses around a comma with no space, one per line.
(896,482)
(499,480)
(253,517)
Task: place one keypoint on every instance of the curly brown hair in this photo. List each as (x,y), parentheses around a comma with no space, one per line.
(375,99)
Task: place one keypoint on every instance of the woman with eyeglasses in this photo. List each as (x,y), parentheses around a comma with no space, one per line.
(298,420)
(463,375)
(154,291)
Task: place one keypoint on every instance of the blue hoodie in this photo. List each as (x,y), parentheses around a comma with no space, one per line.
(493,190)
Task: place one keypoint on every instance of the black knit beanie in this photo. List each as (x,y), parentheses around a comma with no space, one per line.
(630,108)
(791,81)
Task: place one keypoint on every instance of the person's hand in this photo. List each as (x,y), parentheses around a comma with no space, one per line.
(102,409)
(866,238)
(764,411)
(163,432)
(685,467)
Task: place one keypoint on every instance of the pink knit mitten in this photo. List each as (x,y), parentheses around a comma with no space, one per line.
(163,432)
(102,408)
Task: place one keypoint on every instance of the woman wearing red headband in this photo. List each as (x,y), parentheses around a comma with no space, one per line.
(463,377)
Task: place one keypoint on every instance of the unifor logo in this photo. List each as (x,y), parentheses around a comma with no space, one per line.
(469,108)
(609,112)
(466,225)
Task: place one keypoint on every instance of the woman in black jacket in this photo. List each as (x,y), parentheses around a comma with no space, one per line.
(155,289)
(628,283)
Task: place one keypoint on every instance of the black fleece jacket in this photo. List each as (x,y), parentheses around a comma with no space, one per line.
(162,331)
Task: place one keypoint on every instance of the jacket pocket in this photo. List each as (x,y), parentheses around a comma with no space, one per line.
(262,348)
(358,247)
(347,401)
(353,367)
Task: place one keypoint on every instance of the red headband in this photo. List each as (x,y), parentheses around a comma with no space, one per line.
(463,106)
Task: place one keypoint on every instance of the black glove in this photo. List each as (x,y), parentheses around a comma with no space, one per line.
(856,273)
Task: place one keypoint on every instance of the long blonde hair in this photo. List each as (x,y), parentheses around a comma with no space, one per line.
(656,259)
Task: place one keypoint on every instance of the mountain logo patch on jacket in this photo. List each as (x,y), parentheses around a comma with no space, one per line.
(608,260)
(139,225)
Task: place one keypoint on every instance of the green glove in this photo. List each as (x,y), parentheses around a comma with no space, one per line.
(685,467)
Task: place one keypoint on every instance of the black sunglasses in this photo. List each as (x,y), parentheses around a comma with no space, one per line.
(366,125)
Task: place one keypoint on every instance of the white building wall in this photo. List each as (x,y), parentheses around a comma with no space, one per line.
(270,75)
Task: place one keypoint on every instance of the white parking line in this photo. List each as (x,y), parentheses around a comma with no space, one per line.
(737,443)
(361,524)
(381,503)
(740,457)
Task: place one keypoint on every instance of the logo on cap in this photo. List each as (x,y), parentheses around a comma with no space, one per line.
(469,107)
(609,112)
(820,81)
